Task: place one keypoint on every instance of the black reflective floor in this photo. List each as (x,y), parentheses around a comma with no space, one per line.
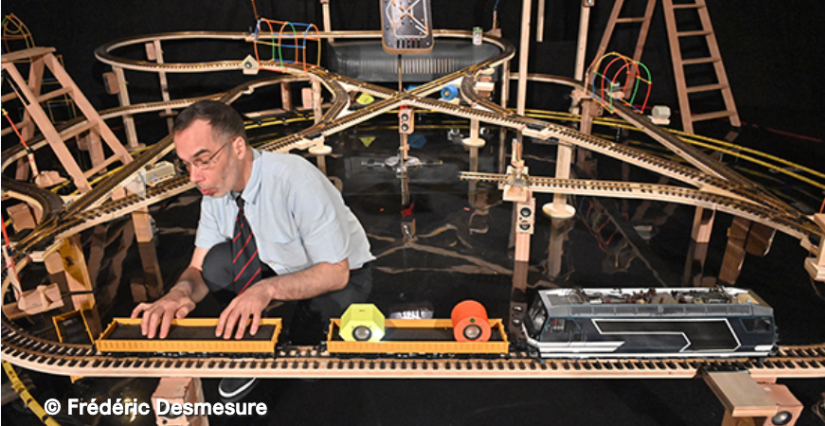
(438,241)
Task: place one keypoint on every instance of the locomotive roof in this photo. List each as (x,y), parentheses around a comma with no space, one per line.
(654,302)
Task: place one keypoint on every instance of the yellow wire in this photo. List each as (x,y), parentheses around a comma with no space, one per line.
(27,397)
(694,140)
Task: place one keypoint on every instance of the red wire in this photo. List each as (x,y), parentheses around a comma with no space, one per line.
(23,141)
(822,208)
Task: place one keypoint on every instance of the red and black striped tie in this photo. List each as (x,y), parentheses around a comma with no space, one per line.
(245,264)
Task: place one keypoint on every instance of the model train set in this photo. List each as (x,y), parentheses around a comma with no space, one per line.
(562,323)
(649,326)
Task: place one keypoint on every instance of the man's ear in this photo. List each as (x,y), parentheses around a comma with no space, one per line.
(239,147)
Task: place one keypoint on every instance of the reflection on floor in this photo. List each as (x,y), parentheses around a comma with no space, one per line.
(439,241)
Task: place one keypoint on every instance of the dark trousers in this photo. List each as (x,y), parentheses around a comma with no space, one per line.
(310,320)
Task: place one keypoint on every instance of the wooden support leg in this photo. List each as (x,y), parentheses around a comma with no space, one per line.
(698,250)
(317,100)
(735,252)
(128,120)
(474,142)
(286,97)
(148,255)
(97,249)
(816,265)
(69,260)
(584,158)
(555,249)
(518,300)
(787,406)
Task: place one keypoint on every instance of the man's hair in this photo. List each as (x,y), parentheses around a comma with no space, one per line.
(225,121)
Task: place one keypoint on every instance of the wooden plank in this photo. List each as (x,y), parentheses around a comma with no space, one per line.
(740,394)
(27,53)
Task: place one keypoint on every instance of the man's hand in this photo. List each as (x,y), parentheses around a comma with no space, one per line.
(248,304)
(175,304)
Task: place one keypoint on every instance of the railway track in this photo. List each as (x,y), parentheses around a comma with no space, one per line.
(27,351)
(794,227)
(717,189)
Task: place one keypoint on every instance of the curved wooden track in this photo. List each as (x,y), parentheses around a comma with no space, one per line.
(718,188)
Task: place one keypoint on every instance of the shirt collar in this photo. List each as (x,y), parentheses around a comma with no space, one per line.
(253,186)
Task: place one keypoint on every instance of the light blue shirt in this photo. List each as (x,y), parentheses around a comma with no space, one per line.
(297,216)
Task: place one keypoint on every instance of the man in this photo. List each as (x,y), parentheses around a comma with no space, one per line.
(301,243)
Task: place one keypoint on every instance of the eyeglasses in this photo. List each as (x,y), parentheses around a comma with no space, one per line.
(200,164)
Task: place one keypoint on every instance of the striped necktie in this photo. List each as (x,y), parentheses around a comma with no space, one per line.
(245,264)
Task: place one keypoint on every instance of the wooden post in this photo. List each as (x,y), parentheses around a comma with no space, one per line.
(474,142)
(584,157)
(286,96)
(581,45)
(555,249)
(67,267)
(698,251)
(735,251)
(524,51)
(816,265)
(154,52)
(317,100)
(128,121)
(327,21)
(142,222)
(518,300)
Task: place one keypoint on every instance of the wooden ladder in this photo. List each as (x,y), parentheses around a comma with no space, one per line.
(675,36)
(30,95)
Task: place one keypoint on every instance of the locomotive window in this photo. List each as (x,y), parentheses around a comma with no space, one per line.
(537,315)
(758,325)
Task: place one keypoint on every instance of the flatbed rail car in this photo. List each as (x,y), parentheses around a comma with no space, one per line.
(188,336)
(428,337)
(659,322)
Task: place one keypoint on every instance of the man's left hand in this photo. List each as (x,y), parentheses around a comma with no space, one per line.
(246,305)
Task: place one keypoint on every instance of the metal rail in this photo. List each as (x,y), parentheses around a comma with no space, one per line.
(27,351)
(720,190)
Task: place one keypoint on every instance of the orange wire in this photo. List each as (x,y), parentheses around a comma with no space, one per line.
(255,10)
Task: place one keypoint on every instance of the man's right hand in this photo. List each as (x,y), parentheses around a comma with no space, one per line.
(174,304)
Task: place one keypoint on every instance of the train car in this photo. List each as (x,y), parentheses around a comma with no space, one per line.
(362,330)
(159,172)
(659,322)
(187,337)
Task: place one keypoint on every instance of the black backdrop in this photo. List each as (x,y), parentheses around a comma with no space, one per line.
(771,49)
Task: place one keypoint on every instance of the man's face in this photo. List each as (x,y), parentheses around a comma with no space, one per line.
(213,166)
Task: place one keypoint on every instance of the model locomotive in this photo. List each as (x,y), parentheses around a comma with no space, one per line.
(661,322)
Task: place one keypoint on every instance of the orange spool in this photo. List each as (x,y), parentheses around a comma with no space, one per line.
(470,323)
